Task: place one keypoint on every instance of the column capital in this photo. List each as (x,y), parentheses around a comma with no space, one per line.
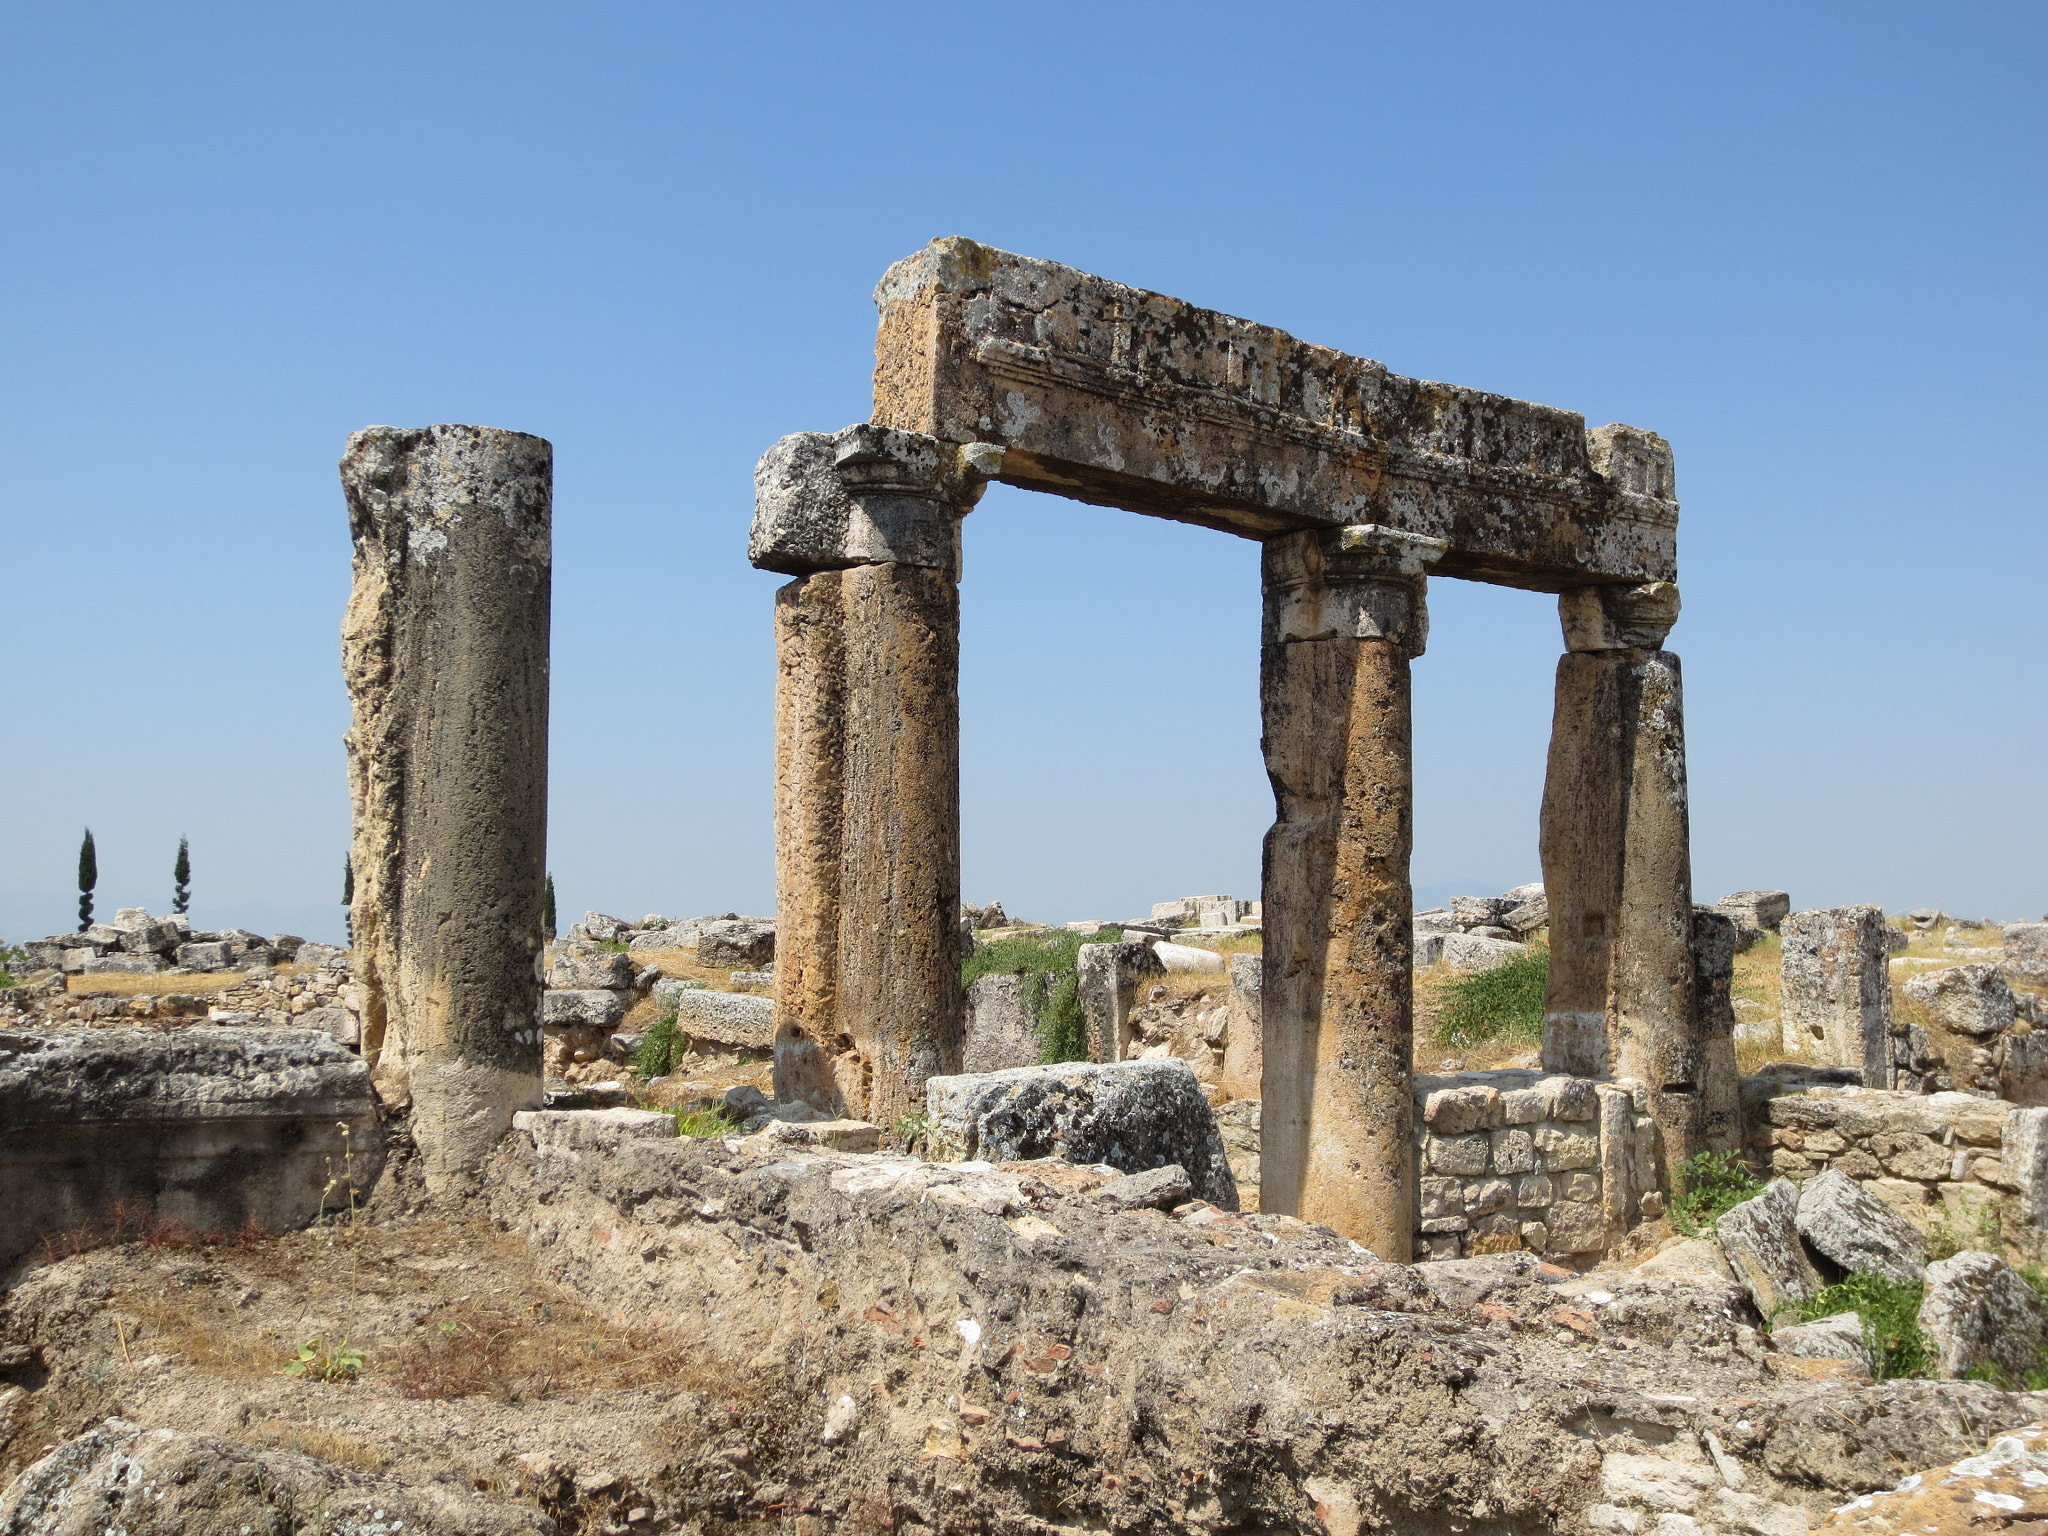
(1618,618)
(865,495)
(1360,582)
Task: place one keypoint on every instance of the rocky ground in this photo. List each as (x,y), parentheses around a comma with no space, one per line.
(677,1335)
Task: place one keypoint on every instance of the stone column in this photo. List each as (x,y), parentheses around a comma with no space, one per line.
(1344,615)
(1835,990)
(867,968)
(445,649)
(1617,862)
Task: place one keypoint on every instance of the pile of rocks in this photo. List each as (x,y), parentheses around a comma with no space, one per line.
(590,988)
(1205,919)
(137,943)
(1793,1240)
(726,941)
(1478,933)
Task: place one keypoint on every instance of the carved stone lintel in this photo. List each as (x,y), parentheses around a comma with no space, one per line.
(865,495)
(1361,582)
(1616,618)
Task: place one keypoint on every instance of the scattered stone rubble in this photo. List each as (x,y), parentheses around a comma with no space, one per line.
(137,943)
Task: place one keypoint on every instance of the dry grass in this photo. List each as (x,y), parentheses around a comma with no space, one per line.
(322,1445)
(195,984)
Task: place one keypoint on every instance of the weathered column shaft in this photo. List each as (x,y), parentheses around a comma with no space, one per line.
(1835,991)
(1344,615)
(868,999)
(445,651)
(1617,863)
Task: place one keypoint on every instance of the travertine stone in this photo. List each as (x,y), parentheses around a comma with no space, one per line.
(1243,1043)
(1718,1115)
(1126,398)
(1617,872)
(1107,984)
(1761,910)
(445,650)
(1616,618)
(1977,1312)
(1344,616)
(867,762)
(1835,989)
(1000,1032)
(1761,1240)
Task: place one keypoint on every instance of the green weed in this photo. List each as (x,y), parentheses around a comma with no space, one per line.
(716,1121)
(1049,964)
(664,1044)
(1505,1003)
(13,963)
(1715,1183)
(315,1361)
(1890,1313)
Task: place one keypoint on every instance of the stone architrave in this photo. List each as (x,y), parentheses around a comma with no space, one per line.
(1125,398)
(1344,615)
(867,803)
(1617,862)
(445,651)
(1835,989)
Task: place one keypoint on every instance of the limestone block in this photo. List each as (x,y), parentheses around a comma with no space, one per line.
(1835,988)
(2023,1068)
(864,495)
(122,965)
(1477,911)
(1533,1191)
(1616,618)
(1107,983)
(1437,921)
(1910,1157)
(598,970)
(326,956)
(1979,1312)
(1576,1226)
(1243,1043)
(1470,952)
(1578,1186)
(1186,957)
(1857,1231)
(1972,999)
(1527,918)
(1760,1238)
(1829,1338)
(339,1024)
(203,957)
(1155,1189)
(1744,1514)
(598,928)
(1563,1149)
(1442,1197)
(1463,1155)
(1429,949)
(1765,910)
(1488,1197)
(600,1008)
(213,1127)
(743,1021)
(1001,1031)
(736,945)
(832,1135)
(570,1132)
(1514,1150)
(2026,951)
(1133,1115)
(1568,1098)
(1456,1111)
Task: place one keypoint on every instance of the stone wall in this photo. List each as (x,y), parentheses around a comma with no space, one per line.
(1977,1166)
(1515,1159)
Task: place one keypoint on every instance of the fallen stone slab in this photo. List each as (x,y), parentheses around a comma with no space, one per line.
(1973,999)
(214,1128)
(1472,952)
(569,1132)
(1854,1229)
(1187,957)
(1978,1312)
(1133,1115)
(1760,1238)
(600,1008)
(743,1021)
(589,969)
(739,945)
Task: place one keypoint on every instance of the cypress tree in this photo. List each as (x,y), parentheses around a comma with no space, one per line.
(348,897)
(547,910)
(88,877)
(181,877)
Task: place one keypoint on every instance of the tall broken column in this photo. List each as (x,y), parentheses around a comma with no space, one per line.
(445,651)
(1835,990)
(1344,615)
(867,753)
(1617,862)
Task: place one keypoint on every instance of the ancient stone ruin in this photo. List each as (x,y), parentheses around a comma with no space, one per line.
(1360,485)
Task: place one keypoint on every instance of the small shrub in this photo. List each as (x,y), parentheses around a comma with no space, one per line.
(1890,1313)
(316,1361)
(1503,1004)
(13,963)
(664,1044)
(913,1130)
(1715,1183)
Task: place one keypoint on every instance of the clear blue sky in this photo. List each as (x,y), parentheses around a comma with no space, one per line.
(1803,242)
